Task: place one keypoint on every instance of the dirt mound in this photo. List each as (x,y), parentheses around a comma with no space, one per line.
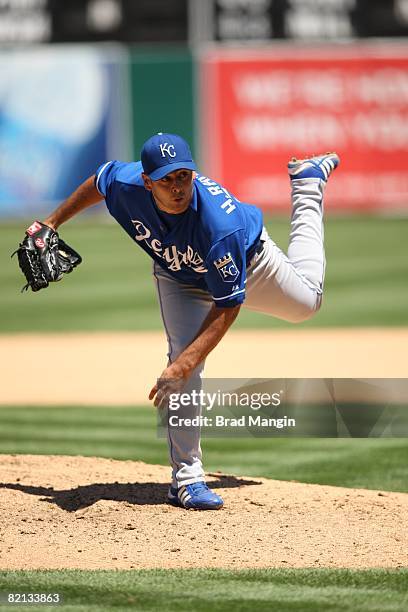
(77,512)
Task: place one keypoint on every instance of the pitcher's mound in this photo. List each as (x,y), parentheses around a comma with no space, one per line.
(86,512)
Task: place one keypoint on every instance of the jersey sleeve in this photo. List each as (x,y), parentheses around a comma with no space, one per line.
(226,276)
(105,175)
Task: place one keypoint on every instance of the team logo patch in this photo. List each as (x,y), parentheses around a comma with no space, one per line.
(227,268)
(40,243)
(33,228)
(168,149)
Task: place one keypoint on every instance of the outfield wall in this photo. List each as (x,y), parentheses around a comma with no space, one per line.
(62,113)
(66,109)
(260,106)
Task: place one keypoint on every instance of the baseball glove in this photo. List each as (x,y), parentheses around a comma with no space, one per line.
(43,257)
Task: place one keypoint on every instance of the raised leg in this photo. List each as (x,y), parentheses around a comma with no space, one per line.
(290,286)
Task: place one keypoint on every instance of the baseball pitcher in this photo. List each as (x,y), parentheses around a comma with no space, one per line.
(211,256)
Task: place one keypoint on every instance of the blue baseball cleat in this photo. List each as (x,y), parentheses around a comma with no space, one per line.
(196,496)
(320,166)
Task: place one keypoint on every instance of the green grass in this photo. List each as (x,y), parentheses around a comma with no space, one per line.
(113,289)
(130,433)
(219,590)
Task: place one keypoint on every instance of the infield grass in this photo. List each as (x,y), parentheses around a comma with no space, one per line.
(219,590)
(367,268)
(130,433)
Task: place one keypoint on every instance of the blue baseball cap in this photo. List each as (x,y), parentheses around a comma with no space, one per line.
(164,153)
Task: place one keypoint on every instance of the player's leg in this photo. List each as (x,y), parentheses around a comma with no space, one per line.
(306,239)
(290,286)
(183,310)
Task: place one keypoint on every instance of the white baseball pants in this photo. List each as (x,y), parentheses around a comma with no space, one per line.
(287,287)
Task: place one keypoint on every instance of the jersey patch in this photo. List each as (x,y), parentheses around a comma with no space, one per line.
(227,268)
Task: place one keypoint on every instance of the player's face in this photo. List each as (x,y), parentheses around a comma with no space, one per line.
(173,192)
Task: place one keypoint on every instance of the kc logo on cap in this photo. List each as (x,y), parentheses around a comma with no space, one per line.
(167,148)
(165,153)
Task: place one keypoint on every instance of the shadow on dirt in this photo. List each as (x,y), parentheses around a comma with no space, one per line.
(144,493)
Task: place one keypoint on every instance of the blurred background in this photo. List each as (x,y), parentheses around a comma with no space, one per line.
(248,83)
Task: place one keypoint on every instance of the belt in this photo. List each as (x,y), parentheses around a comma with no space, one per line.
(255,251)
(259,247)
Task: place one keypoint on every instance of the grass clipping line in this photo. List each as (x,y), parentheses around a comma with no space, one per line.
(91,513)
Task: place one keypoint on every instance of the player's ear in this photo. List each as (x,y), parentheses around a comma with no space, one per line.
(147,181)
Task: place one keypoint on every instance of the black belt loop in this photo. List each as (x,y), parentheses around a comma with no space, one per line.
(258,249)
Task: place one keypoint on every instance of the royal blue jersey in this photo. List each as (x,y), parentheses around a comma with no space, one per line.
(208,245)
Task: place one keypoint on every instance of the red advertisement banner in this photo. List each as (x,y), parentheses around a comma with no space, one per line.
(261,107)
